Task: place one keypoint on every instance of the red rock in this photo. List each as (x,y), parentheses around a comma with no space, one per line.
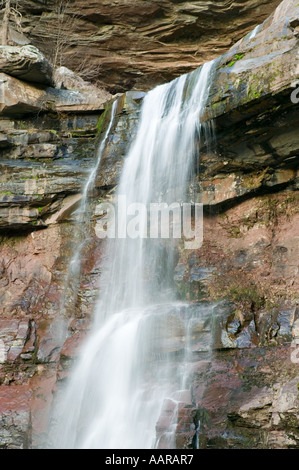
(72,345)
(50,337)
(15,398)
(42,387)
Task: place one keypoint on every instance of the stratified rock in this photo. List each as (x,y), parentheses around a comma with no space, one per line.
(248,400)
(18,98)
(14,417)
(256,124)
(140,43)
(41,175)
(69,204)
(122,134)
(26,63)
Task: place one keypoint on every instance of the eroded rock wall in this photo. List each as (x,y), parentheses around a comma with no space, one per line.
(139,44)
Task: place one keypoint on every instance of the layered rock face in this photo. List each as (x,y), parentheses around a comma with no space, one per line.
(43,129)
(139,44)
(244,368)
(47,147)
(26,63)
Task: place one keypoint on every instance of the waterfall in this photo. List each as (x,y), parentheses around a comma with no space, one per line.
(73,274)
(129,365)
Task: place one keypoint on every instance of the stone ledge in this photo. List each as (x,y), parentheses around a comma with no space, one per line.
(18,98)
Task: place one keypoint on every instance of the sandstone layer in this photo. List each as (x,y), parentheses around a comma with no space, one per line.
(138,44)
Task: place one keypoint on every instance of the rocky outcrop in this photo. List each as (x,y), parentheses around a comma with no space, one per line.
(140,43)
(244,371)
(26,63)
(66,79)
(46,151)
(18,98)
(255,151)
(41,167)
(43,130)
(251,112)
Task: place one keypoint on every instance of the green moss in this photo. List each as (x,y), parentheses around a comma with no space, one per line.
(254,91)
(23,125)
(235,231)
(236,58)
(218,105)
(84,134)
(6,193)
(101,120)
(255,95)
(245,294)
(49,105)
(254,180)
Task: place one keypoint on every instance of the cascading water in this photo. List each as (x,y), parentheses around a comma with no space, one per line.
(73,274)
(254,32)
(72,279)
(128,366)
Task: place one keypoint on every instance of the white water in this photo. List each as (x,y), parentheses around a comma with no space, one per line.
(74,268)
(254,32)
(128,366)
(71,283)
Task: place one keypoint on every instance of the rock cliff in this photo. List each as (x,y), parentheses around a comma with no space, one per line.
(138,43)
(247,178)
(246,394)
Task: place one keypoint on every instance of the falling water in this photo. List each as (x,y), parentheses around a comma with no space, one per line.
(73,273)
(81,212)
(254,32)
(128,366)
(72,279)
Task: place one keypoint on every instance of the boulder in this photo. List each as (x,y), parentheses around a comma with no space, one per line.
(19,98)
(65,78)
(26,63)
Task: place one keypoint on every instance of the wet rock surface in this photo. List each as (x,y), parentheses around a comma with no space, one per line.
(46,150)
(242,284)
(250,400)
(41,328)
(254,343)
